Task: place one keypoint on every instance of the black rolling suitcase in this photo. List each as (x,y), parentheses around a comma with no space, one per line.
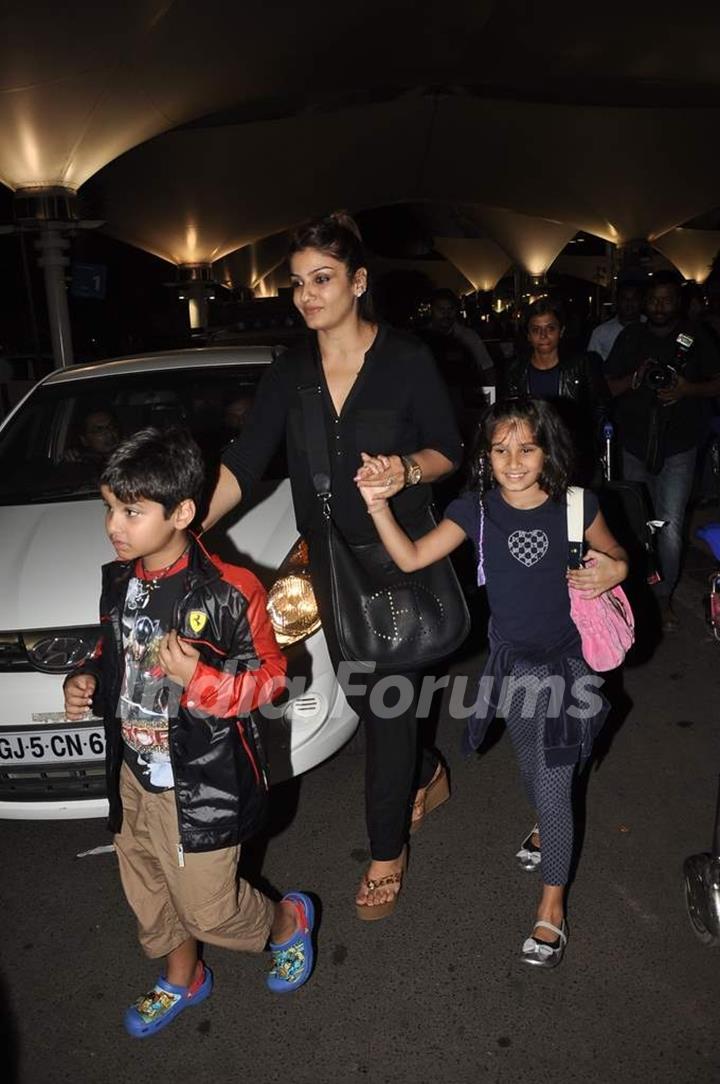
(627,511)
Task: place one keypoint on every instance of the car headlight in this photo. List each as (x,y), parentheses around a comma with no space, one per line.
(291,600)
(57,651)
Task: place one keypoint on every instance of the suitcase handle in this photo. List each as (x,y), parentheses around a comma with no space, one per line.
(608,433)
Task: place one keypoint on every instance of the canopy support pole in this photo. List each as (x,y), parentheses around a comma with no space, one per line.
(52,246)
(50,211)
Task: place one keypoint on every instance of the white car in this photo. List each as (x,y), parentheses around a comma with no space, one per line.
(52,544)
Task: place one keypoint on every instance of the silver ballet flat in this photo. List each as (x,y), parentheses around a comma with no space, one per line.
(528,857)
(543,953)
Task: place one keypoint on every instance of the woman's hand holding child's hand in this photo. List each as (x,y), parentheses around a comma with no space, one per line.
(79,692)
(376,481)
(177,658)
(385,474)
(600,574)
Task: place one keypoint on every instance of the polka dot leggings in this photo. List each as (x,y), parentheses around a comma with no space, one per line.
(549,790)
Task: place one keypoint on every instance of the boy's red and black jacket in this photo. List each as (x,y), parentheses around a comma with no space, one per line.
(218,767)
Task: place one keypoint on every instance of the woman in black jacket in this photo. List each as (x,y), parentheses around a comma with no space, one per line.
(573,382)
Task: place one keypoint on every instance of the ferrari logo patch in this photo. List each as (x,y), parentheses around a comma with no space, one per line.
(197,620)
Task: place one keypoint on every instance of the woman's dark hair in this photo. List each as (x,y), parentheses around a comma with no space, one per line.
(544,306)
(549,432)
(338,236)
(163,465)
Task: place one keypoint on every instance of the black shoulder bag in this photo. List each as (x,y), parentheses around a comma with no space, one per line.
(397,620)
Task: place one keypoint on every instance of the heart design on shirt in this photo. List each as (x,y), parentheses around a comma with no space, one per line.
(528,547)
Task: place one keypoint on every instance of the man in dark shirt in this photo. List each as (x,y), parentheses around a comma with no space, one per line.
(460,353)
(663,373)
(461,356)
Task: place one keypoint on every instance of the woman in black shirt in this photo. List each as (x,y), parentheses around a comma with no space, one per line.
(381,395)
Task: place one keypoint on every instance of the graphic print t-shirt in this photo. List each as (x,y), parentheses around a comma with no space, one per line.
(525,555)
(148,697)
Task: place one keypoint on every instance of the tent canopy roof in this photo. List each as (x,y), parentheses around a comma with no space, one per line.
(205,130)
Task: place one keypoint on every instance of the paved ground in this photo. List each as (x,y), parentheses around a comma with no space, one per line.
(436,992)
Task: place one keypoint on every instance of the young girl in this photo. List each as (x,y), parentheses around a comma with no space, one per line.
(515,513)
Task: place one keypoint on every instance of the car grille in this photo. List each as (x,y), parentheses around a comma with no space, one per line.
(31,783)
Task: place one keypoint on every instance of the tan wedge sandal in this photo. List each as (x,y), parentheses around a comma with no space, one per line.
(369,912)
(430,797)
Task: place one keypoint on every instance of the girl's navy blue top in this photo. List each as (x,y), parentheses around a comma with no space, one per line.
(525,556)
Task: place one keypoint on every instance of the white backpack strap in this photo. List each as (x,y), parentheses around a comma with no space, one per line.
(575,525)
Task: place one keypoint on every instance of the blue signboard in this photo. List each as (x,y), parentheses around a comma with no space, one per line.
(89,280)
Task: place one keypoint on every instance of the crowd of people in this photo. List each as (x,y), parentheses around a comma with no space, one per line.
(389,427)
(653,372)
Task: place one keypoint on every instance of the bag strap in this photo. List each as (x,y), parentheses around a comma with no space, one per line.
(316,437)
(575,525)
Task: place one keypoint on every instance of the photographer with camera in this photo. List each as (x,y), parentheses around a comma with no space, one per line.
(663,374)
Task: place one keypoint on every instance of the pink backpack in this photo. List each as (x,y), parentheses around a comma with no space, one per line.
(606,624)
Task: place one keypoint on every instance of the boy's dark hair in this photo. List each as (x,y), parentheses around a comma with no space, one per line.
(163,465)
(549,432)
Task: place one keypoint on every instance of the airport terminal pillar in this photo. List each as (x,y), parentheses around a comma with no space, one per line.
(196,285)
(53,247)
(50,212)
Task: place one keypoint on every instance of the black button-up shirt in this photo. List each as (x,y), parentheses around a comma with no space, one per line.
(398,405)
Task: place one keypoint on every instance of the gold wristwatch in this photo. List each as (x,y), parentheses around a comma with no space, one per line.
(413,470)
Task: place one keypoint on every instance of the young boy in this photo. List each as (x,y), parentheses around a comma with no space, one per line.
(188,653)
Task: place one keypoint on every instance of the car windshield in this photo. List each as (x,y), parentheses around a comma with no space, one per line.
(56,445)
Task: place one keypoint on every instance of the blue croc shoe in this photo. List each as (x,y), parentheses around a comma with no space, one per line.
(293,960)
(159,1007)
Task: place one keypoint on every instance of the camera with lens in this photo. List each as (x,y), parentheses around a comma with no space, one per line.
(659,375)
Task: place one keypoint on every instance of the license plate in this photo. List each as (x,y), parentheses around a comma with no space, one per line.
(56,745)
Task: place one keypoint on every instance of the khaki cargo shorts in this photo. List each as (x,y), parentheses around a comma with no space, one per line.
(203,898)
